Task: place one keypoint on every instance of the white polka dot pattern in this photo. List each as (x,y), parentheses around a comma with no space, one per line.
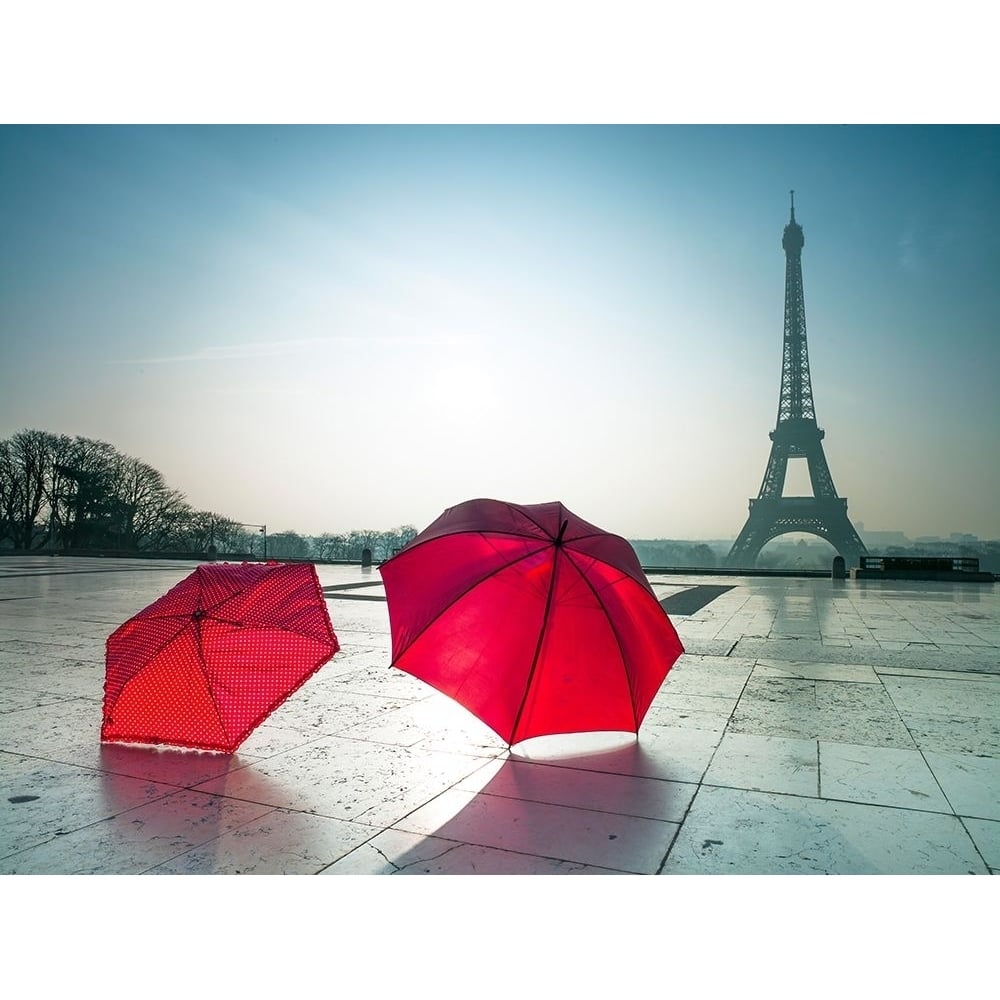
(206,663)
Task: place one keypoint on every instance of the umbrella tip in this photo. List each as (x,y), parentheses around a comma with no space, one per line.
(562,531)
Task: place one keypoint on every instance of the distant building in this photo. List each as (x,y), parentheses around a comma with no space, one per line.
(876,540)
(963,538)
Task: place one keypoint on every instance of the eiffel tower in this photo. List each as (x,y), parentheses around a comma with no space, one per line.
(796,435)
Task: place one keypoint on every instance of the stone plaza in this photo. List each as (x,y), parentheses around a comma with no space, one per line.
(812,726)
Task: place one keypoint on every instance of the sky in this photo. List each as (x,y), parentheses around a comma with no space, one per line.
(335,327)
(339,326)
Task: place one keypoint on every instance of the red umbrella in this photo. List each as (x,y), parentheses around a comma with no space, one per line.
(208,661)
(534,620)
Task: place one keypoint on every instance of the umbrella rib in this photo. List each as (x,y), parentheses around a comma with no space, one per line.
(594,534)
(236,623)
(208,686)
(476,583)
(614,627)
(562,510)
(541,527)
(201,660)
(486,533)
(159,649)
(277,628)
(538,650)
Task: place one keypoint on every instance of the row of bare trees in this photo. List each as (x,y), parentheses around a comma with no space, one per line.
(69,493)
(331,548)
(61,492)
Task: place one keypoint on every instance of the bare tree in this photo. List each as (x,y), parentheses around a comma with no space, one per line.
(24,461)
(329,546)
(287,545)
(81,492)
(393,541)
(78,492)
(227,535)
(9,492)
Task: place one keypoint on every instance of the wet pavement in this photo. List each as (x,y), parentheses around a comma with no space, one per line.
(812,726)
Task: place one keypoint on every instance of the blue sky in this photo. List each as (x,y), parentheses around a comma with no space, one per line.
(323,328)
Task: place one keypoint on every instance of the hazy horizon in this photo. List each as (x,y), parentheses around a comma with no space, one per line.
(339,327)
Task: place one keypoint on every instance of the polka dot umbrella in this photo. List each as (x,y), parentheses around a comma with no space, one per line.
(207,662)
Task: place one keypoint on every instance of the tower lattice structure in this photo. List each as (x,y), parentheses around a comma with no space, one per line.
(796,435)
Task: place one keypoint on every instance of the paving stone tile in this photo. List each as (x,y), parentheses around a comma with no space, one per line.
(561,784)
(831,710)
(376,677)
(966,658)
(979,737)
(278,843)
(16,699)
(670,715)
(434,723)
(69,678)
(929,674)
(269,740)
(706,678)
(44,800)
(395,852)
(733,831)
(66,730)
(132,842)
(765,763)
(972,784)
(854,698)
(885,776)
(326,710)
(855,673)
(781,691)
(985,835)
(604,839)
(673,706)
(706,703)
(969,698)
(347,779)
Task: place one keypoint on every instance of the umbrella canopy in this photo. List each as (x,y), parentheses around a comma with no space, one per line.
(533,619)
(207,662)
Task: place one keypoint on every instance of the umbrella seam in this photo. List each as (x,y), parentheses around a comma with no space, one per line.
(110,709)
(187,619)
(563,512)
(211,691)
(509,533)
(468,590)
(208,686)
(156,652)
(538,649)
(264,628)
(611,622)
(280,700)
(514,509)
(641,579)
(196,623)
